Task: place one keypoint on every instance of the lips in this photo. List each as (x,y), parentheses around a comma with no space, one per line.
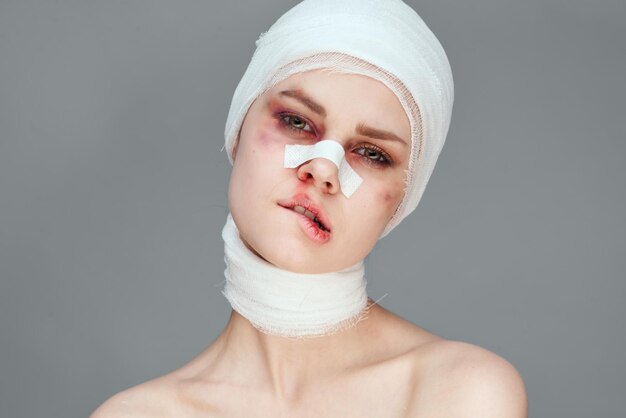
(302,204)
(303,211)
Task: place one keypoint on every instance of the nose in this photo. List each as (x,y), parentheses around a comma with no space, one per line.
(324,173)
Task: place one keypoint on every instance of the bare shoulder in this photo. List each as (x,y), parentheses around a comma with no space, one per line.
(150,399)
(463,380)
(452,378)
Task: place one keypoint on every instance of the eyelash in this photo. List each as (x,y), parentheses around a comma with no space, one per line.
(383,160)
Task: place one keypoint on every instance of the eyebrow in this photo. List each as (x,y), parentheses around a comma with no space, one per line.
(361,129)
(305,100)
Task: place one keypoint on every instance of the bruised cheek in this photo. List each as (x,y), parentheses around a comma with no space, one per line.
(264,153)
(390,197)
(268,138)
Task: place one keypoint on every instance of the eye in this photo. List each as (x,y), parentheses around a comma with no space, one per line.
(295,123)
(374,155)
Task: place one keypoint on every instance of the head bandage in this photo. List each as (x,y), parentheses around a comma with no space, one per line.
(296,155)
(383,39)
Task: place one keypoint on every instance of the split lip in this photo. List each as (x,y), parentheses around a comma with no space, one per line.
(303,200)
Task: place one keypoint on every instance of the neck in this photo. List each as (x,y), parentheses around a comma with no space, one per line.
(290,366)
(289,304)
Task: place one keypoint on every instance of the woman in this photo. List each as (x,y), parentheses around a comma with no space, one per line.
(333,133)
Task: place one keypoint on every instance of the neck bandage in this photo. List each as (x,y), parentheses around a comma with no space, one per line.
(296,155)
(289,304)
(382,39)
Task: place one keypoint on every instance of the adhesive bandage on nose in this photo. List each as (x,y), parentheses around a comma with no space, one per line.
(329,149)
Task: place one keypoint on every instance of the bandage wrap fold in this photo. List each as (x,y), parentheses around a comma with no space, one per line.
(383,39)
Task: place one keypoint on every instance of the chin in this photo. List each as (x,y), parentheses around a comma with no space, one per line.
(290,254)
(296,254)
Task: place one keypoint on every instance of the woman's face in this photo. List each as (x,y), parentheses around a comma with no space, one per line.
(367,119)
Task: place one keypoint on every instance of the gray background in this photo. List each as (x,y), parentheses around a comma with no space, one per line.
(113,195)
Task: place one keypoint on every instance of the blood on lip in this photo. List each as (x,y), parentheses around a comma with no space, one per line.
(312,230)
(301,199)
(316,229)
(303,211)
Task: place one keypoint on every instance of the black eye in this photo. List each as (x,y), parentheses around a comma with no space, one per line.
(373,155)
(295,123)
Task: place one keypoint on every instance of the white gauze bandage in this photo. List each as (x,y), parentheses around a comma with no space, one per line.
(289,304)
(383,39)
(329,149)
